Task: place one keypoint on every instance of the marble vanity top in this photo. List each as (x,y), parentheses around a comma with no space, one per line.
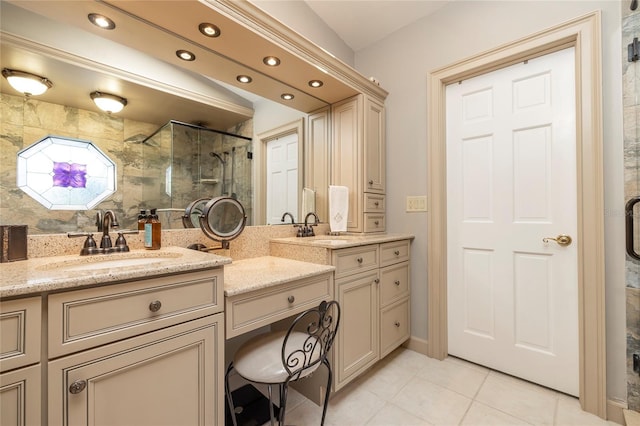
(41,274)
(342,241)
(256,273)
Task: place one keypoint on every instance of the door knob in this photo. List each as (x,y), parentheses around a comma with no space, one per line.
(563,240)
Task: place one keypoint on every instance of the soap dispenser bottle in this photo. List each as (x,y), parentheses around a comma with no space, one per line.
(152,231)
(142,219)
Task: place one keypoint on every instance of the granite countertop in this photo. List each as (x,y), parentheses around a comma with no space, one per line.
(343,240)
(41,274)
(247,275)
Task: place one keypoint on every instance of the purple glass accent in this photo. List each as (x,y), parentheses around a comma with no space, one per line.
(69,175)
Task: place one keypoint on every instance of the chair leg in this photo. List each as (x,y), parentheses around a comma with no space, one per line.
(284,390)
(271,414)
(326,395)
(232,409)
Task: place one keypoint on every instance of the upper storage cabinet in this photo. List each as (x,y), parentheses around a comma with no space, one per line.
(358,160)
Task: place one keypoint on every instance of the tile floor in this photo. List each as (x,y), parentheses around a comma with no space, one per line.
(408,388)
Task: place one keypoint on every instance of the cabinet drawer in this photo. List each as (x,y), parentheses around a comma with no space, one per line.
(20,325)
(20,400)
(374,203)
(354,260)
(394,252)
(394,326)
(86,318)
(394,283)
(374,222)
(255,309)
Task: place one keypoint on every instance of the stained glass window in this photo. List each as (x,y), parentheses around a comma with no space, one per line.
(66,174)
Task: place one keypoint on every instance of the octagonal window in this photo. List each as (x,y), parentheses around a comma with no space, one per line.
(66,174)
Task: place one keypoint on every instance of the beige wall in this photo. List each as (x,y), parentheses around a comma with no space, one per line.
(462,29)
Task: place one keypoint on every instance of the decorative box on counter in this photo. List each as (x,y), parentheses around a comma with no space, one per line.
(13,243)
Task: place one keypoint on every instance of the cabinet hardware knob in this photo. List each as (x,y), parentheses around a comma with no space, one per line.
(370,181)
(77,386)
(359,260)
(155,306)
(377,222)
(397,282)
(397,252)
(397,324)
(291,299)
(376,204)
(377,280)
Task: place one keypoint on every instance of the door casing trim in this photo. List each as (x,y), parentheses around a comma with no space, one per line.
(584,34)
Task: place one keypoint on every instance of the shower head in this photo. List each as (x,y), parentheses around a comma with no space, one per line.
(213,154)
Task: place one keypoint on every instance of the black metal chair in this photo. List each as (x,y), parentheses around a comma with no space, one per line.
(278,358)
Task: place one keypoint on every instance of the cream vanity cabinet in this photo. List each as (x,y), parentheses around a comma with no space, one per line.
(358,160)
(20,369)
(372,288)
(145,352)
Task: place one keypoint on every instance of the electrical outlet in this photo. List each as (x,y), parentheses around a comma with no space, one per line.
(417,203)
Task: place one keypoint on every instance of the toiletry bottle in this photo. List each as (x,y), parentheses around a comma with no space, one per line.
(152,231)
(142,219)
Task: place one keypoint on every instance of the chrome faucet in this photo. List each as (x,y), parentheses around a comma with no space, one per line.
(308,229)
(108,219)
(288,214)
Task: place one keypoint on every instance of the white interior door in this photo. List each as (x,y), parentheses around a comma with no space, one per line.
(282,177)
(511,181)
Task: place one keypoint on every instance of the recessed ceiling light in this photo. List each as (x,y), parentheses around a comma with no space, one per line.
(315,83)
(271,61)
(244,79)
(287,96)
(26,83)
(107,102)
(209,30)
(101,21)
(185,55)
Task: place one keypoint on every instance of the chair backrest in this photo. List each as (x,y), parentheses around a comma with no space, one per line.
(310,338)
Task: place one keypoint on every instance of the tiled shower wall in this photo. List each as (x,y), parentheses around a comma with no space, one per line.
(631,103)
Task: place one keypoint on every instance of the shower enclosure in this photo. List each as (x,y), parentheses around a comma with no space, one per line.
(183,162)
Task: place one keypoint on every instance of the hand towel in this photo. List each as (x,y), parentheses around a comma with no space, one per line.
(338,208)
(308,201)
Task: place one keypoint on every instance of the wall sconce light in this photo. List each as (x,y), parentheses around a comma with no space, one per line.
(26,83)
(107,102)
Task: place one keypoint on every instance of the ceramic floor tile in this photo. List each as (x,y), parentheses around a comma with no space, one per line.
(521,399)
(392,415)
(569,413)
(456,375)
(386,379)
(433,403)
(482,415)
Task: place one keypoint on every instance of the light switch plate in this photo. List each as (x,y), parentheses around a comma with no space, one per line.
(416,203)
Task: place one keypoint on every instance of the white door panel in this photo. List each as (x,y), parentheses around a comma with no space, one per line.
(511,181)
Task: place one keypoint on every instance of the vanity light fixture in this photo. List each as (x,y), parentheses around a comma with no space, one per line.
(244,79)
(26,83)
(316,83)
(209,30)
(107,102)
(271,61)
(185,55)
(287,96)
(101,21)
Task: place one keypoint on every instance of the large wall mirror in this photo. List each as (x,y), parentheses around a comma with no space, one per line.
(160,94)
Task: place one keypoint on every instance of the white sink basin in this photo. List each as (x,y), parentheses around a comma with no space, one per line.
(110,261)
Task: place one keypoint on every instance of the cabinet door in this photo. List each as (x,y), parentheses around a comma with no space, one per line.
(316,160)
(357,344)
(20,397)
(346,156)
(170,377)
(374,147)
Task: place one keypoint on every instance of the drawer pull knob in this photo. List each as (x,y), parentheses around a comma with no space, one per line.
(397,252)
(376,203)
(377,281)
(377,222)
(397,282)
(359,260)
(77,386)
(397,324)
(370,181)
(155,306)
(291,299)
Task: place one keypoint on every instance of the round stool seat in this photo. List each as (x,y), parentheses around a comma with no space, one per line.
(260,360)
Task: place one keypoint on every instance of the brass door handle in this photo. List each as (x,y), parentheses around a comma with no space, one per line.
(563,240)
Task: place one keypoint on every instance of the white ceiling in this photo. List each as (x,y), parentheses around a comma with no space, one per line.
(360,23)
